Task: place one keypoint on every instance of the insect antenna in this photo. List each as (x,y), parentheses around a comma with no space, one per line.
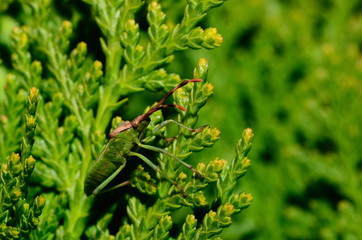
(159,105)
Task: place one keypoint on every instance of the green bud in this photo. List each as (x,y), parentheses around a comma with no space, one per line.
(245,163)
(14,162)
(194,38)
(116,121)
(30,122)
(165,223)
(96,71)
(26,208)
(155,15)
(66,29)
(201,70)
(78,55)
(38,206)
(138,52)
(245,199)
(199,199)
(226,210)
(29,165)
(182,177)
(82,48)
(207,90)
(131,35)
(248,135)
(11,232)
(201,167)
(210,220)
(33,96)
(240,201)
(244,144)
(211,38)
(15,194)
(97,66)
(131,26)
(23,41)
(143,181)
(191,220)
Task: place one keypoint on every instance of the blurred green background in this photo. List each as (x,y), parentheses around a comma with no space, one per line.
(290,70)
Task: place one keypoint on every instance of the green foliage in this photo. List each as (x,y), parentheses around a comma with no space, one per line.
(79,96)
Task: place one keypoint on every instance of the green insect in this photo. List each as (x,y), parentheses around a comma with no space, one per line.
(124,142)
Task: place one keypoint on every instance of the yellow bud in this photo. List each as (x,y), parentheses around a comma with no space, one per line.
(82,47)
(200,167)
(202,200)
(87,76)
(15,158)
(203,62)
(229,209)
(67,24)
(31,159)
(215,133)
(248,134)
(33,93)
(246,162)
(31,121)
(23,40)
(60,131)
(66,27)
(154,5)
(40,202)
(13,233)
(182,176)
(131,25)
(97,64)
(218,164)
(15,194)
(3,119)
(218,39)
(246,197)
(212,214)
(162,72)
(4,167)
(190,219)
(140,168)
(118,119)
(30,163)
(26,207)
(207,89)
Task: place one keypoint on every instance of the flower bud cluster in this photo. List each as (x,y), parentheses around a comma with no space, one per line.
(17,216)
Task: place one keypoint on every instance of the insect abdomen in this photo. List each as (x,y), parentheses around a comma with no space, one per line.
(112,157)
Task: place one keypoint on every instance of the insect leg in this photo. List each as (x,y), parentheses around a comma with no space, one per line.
(164,123)
(154,167)
(122,184)
(110,178)
(160,150)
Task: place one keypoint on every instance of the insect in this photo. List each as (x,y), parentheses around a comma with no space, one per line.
(124,142)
